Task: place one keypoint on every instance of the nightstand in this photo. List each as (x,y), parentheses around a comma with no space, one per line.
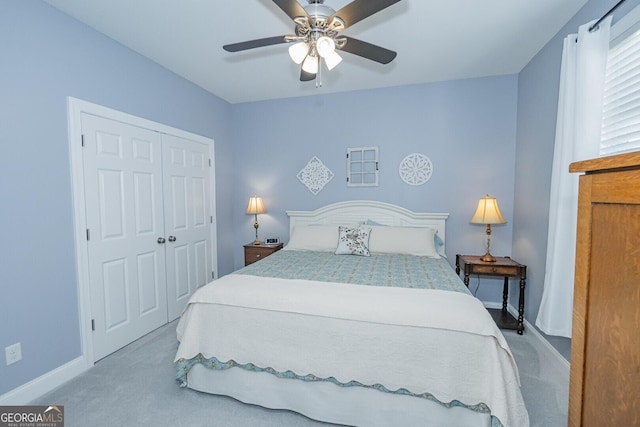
(253,253)
(507,268)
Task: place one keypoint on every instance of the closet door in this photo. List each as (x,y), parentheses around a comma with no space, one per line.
(125,220)
(187,219)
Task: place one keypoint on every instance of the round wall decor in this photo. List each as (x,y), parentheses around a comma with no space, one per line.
(416,169)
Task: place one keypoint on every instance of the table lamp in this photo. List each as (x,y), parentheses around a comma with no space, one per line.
(488,213)
(256,207)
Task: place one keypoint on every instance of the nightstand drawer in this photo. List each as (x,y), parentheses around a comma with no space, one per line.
(253,253)
(494,269)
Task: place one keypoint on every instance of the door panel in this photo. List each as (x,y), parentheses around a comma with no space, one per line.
(201,264)
(612,355)
(182,277)
(148,282)
(199,201)
(179,202)
(116,301)
(187,218)
(111,201)
(123,194)
(144,213)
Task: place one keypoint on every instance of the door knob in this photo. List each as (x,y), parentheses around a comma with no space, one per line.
(172,238)
(161,240)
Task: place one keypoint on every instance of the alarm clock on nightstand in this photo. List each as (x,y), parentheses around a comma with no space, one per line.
(271,241)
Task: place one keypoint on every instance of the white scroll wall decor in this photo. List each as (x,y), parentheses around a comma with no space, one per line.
(416,169)
(315,175)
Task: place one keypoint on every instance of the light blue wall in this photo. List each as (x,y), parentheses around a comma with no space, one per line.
(466,127)
(538,87)
(46,56)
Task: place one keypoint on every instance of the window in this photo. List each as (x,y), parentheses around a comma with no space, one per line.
(362,167)
(621,106)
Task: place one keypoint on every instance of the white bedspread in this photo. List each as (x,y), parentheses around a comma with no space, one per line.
(438,342)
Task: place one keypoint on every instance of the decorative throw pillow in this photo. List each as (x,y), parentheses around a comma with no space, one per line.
(353,241)
(437,240)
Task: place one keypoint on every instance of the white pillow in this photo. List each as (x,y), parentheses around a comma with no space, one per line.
(417,241)
(437,240)
(323,238)
(353,240)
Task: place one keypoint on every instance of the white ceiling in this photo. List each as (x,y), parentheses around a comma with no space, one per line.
(435,41)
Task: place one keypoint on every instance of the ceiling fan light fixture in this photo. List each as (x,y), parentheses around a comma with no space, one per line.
(317,35)
(298,52)
(332,60)
(325,46)
(310,64)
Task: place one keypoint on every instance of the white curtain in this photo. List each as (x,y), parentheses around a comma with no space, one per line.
(578,126)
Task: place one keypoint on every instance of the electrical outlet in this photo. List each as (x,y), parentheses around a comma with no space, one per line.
(13,353)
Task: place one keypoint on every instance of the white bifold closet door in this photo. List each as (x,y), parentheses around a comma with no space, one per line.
(148,216)
(187,219)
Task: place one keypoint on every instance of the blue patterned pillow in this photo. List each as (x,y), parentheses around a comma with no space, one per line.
(353,241)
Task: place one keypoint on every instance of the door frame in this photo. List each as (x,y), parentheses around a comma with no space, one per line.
(75,107)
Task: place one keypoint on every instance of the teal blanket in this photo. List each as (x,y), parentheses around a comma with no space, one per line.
(376,270)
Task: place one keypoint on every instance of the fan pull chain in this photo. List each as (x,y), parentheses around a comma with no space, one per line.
(319,74)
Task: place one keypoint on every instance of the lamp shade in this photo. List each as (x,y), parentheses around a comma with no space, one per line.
(325,46)
(310,64)
(488,212)
(255,206)
(332,60)
(298,52)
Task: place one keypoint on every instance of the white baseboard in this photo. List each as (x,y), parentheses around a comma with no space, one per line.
(528,327)
(37,387)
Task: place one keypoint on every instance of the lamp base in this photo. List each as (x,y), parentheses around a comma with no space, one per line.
(488,258)
(255,225)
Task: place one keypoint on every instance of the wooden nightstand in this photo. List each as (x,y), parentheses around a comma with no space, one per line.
(506,267)
(253,253)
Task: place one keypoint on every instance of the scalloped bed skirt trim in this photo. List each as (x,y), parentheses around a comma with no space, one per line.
(326,399)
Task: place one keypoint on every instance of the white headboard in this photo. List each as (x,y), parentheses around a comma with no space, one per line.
(358,211)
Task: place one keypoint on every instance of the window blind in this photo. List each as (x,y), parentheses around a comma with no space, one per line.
(621,106)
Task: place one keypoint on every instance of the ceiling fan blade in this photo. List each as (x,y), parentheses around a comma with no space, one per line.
(305,77)
(357,10)
(251,44)
(291,7)
(368,50)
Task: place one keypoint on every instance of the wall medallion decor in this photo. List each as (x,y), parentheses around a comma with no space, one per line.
(315,175)
(416,169)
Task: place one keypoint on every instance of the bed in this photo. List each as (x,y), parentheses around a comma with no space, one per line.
(359,320)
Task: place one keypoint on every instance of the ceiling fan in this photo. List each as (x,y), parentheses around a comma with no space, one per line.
(317,34)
